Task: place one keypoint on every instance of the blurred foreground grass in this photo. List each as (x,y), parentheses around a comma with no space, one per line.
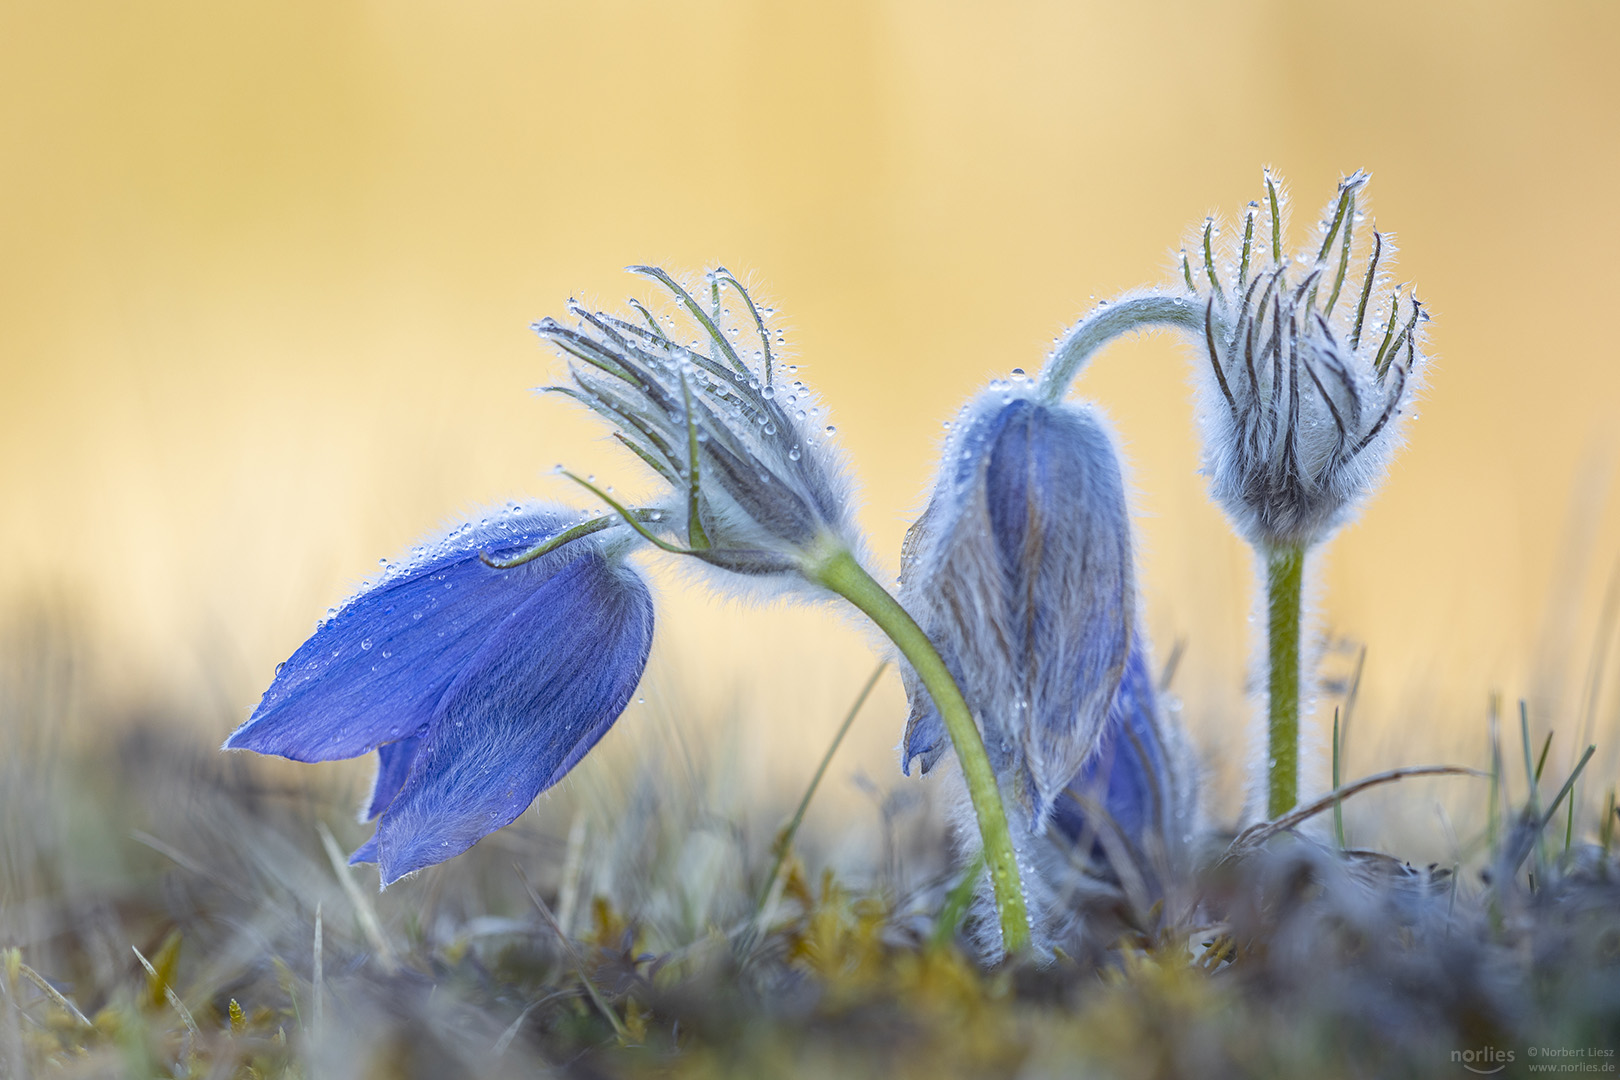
(166,910)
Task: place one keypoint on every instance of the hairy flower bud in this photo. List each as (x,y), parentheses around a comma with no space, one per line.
(755,488)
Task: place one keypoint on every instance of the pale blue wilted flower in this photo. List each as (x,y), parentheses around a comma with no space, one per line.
(1021,571)
(756,483)
(478,687)
(1311,369)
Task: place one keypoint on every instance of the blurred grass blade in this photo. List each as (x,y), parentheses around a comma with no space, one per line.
(1569,785)
(160,984)
(364,910)
(579,961)
(784,840)
(61,1000)
(1255,835)
(956,904)
(317,978)
(1338,804)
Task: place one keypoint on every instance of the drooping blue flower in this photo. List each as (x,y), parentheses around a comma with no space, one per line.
(1131,779)
(1020,571)
(478,687)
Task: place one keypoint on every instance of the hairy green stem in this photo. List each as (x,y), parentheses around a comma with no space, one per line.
(1107,323)
(1285,575)
(839,572)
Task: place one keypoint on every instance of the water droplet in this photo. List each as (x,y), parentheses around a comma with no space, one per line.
(366,643)
(831,430)
(793,454)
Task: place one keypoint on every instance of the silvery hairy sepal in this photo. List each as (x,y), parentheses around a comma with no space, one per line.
(756,483)
(1020,571)
(478,687)
(1312,365)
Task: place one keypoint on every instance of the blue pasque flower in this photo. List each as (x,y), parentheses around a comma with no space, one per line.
(478,687)
(1021,571)
(1134,788)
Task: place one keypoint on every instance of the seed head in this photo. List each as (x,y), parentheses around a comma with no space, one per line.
(756,483)
(1311,366)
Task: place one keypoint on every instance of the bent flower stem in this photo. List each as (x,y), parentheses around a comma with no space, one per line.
(840,573)
(751,488)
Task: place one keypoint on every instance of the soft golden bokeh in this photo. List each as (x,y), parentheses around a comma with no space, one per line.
(266,272)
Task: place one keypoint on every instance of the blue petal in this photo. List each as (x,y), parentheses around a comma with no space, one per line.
(1057,512)
(394,762)
(375,671)
(365,853)
(546,685)
(1021,572)
(1129,774)
(925,736)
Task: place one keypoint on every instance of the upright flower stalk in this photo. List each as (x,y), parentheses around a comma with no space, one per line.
(1285,576)
(756,491)
(1311,363)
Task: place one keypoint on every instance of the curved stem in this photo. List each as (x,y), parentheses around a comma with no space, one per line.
(839,572)
(1109,322)
(1285,576)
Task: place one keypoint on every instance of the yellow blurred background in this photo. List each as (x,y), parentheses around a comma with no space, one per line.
(266,273)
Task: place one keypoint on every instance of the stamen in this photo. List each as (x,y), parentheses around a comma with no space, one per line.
(1215,360)
(645,455)
(1333,410)
(1346,192)
(1209,259)
(1389,411)
(695,535)
(1248,244)
(1344,253)
(1389,332)
(696,309)
(647,315)
(1366,289)
(1276,220)
(759,323)
(1406,331)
